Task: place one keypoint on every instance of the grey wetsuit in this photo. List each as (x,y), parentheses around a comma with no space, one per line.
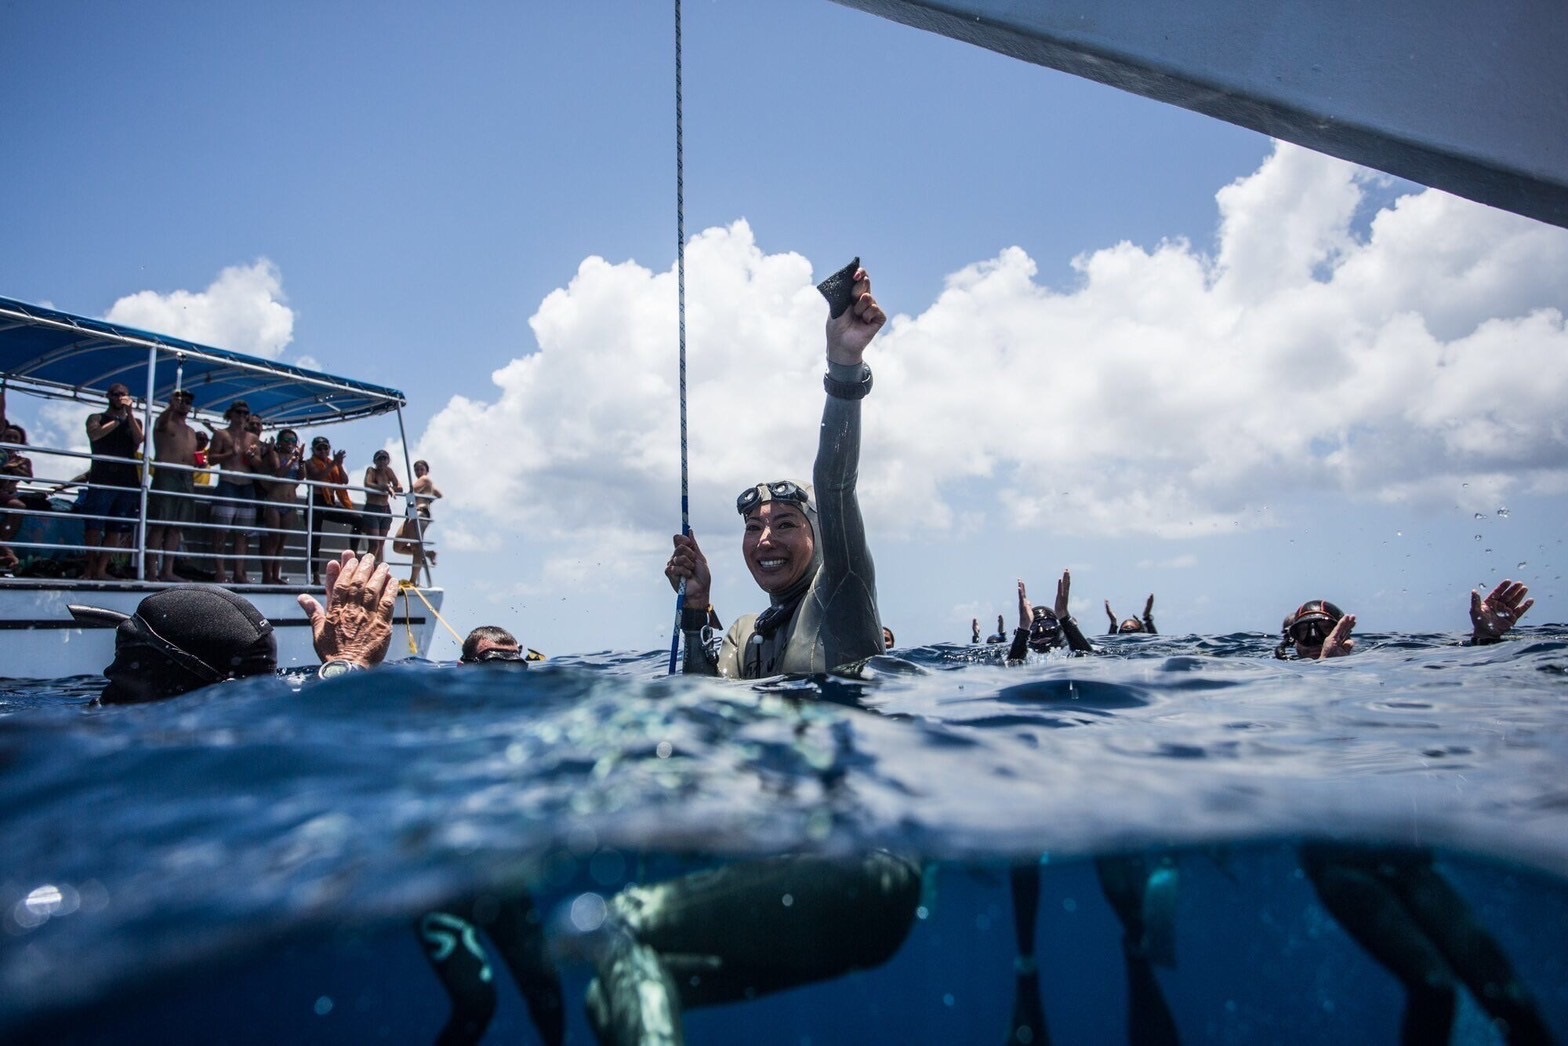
(836,621)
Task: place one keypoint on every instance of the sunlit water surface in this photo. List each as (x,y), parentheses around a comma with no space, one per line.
(243,864)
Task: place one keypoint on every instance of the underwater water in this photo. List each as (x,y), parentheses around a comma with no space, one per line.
(246,864)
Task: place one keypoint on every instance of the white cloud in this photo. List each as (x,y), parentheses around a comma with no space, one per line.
(242,310)
(1169,392)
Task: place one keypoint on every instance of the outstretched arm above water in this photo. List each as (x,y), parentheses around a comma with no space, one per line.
(845,594)
(1492,617)
(356,624)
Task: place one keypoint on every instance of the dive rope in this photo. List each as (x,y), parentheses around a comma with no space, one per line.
(680,285)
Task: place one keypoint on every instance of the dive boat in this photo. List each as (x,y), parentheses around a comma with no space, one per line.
(53,355)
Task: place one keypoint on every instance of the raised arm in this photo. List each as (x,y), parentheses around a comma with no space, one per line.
(356,623)
(1076,640)
(1148,616)
(851,626)
(1492,617)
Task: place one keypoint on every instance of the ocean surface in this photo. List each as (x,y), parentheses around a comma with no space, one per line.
(246,864)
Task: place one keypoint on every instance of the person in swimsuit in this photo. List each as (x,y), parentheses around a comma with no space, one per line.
(172,504)
(413,534)
(721,936)
(375,520)
(283,466)
(330,500)
(236,451)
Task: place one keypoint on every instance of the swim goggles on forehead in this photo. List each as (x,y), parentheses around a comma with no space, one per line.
(778,490)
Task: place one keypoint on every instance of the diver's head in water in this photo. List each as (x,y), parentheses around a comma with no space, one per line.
(182,639)
(1045,631)
(492,644)
(1308,628)
(780,542)
(1130,626)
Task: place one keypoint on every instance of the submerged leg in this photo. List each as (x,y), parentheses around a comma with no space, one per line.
(1356,891)
(455,954)
(1472,952)
(1138,894)
(513,923)
(1028,1011)
(633,1001)
(746,930)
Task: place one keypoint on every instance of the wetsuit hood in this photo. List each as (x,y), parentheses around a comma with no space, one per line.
(185,638)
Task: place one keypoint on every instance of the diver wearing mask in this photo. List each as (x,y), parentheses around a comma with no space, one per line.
(182,639)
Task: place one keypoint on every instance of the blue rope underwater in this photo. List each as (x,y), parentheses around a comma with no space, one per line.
(680,284)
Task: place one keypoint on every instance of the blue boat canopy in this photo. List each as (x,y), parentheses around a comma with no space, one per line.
(62,356)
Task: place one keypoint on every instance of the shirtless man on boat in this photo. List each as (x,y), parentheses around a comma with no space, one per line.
(171,505)
(235,450)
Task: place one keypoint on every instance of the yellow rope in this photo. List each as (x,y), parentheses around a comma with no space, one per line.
(408,617)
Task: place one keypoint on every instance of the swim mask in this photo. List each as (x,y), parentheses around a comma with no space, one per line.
(1312,622)
(1045,631)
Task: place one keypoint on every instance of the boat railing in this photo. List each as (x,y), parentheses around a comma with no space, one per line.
(46,534)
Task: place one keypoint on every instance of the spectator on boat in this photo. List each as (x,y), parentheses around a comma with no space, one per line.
(14,467)
(1318,629)
(1132,625)
(171,505)
(112,501)
(236,451)
(413,535)
(203,441)
(1043,629)
(282,465)
(381,483)
(330,501)
(722,936)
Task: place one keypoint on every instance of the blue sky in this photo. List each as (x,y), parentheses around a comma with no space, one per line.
(1316,383)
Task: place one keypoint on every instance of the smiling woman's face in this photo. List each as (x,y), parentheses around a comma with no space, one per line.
(778,545)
